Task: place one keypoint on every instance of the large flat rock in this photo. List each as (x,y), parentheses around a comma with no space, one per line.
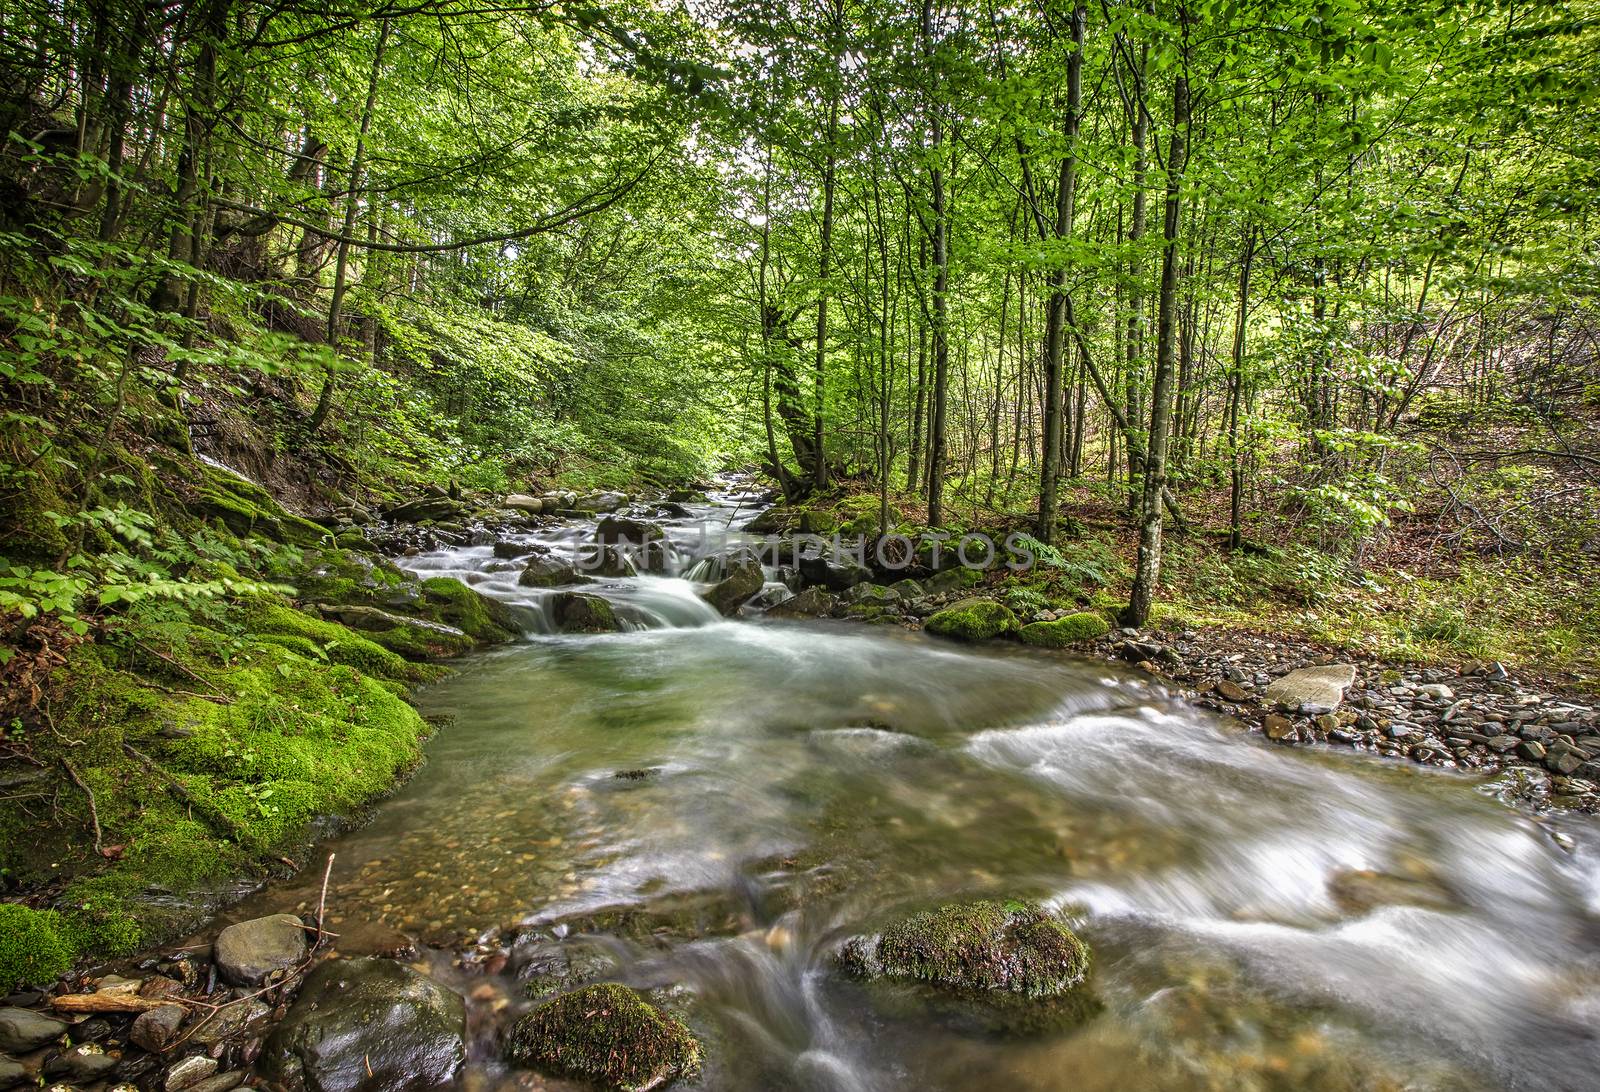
(1323,686)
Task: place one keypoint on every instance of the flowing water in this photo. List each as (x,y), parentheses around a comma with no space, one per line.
(714,805)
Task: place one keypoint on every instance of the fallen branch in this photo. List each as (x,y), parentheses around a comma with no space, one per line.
(110,1001)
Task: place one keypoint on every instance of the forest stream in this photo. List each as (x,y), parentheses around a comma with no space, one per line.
(711,805)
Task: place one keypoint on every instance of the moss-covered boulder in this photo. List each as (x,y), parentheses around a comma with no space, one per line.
(972,620)
(35,947)
(1083,626)
(999,966)
(574,612)
(607,1035)
(744,579)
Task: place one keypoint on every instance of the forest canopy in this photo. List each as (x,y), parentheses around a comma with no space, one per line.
(1229,265)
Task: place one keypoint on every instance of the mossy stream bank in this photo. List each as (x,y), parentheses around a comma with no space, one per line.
(188,746)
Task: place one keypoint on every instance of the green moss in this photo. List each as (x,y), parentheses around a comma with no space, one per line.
(201,771)
(608,1035)
(245,508)
(35,947)
(475,614)
(1082,626)
(316,638)
(998,967)
(983,946)
(30,534)
(972,620)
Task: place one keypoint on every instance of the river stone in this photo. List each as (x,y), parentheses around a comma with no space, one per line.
(836,576)
(189,1072)
(744,579)
(549,572)
(809,603)
(622,529)
(155,1029)
(82,1064)
(425,508)
(1011,967)
(608,1035)
(1320,686)
(22,1030)
(368,1025)
(251,951)
(574,612)
(12,1073)
(524,503)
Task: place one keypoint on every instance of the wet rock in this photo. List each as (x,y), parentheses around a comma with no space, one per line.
(367,1025)
(600,502)
(249,952)
(1232,691)
(1012,966)
(424,508)
(1278,727)
(615,529)
(834,575)
(189,1072)
(221,1082)
(1322,686)
(1358,891)
(12,1073)
(511,551)
(574,612)
(22,1030)
(809,603)
(156,1029)
(563,967)
(522,502)
(83,1064)
(744,579)
(972,620)
(608,562)
(548,572)
(231,1022)
(607,1035)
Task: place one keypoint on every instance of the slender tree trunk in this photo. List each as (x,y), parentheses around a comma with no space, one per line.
(1057,307)
(352,204)
(1148,570)
(1235,392)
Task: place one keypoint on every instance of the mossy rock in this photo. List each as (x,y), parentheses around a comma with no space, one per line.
(245,508)
(972,620)
(36,947)
(1009,967)
(574,612)
(607,1035)
(486,620)
(319,639)
(1083,626)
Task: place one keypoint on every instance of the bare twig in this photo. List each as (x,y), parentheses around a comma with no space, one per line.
(322,901)
(94,813)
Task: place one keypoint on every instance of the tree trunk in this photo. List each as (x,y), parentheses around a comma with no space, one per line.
(352,204)
(1148,571)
